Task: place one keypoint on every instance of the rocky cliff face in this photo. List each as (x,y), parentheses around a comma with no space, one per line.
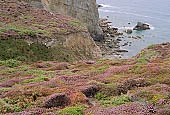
(84,10)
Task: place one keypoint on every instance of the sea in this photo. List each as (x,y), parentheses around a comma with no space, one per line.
(154,12)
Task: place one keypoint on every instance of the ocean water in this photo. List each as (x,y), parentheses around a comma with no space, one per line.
(154,12)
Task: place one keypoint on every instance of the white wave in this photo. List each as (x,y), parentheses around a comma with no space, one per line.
(125,28)
(108,6)
(152,28)
(104,5)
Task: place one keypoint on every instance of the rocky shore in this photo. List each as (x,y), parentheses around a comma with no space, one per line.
(115,38)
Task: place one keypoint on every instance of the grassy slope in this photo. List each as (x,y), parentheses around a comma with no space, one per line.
(144,79)
(19,22)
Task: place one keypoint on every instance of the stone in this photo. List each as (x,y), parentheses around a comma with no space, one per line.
(37,4)
(121,50)
(55,100)
(128,31)
(141,26)
(99,5)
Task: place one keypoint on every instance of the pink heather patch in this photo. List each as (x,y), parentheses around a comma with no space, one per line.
(114,70)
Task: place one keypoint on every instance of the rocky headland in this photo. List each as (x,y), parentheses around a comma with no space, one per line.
(50,65)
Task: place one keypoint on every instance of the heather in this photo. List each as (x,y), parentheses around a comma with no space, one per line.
(110,86)
(31,34)
(40,80)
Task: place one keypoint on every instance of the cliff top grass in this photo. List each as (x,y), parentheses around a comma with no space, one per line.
(18,19)
(114,86)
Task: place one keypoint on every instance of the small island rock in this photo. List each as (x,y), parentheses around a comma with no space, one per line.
(141,26)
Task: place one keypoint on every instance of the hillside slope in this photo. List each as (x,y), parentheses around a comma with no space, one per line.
(27,32)
(139,85)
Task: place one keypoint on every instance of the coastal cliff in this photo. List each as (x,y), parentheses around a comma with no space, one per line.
(84,10)
(28,32)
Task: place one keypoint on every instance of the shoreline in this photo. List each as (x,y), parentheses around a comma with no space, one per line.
(115,39)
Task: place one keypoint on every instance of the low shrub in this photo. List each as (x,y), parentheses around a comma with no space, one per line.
(10,63)
(77,110)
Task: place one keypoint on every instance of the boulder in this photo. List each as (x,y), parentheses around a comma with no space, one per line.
(99,5)
(55,100)
(141,26)
(128,31)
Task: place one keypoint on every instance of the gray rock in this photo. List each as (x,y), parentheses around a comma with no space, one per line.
(121,50)
(141,26)
(37,4)
(128,31)
(99,5)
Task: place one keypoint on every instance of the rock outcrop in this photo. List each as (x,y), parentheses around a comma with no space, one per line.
(141,26)
(84,10)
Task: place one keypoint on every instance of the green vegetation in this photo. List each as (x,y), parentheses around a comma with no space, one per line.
(137,69)
(147,55)
(37,79)
(1,24)
(20,50)
(19,30)
(161,78)
(100,70)
(150,97)
(77,110)
(25,17)
(77,24)
(100,96)
(10,63)
(152,46)
(111,101)
(9,105)
(115,78)
(142,60)
(25,31)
